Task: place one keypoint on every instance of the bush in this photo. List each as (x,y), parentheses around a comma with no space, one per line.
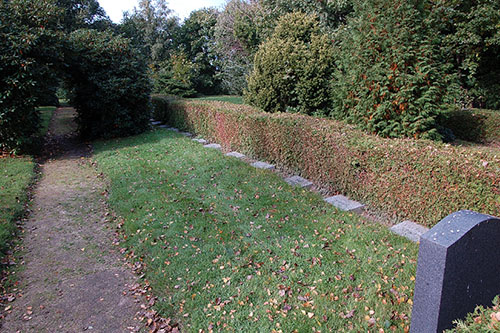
(27,47)
(414,179)
(471,40)
(175,77)
(111,88)
(481,320)
(391,79)
(293,68)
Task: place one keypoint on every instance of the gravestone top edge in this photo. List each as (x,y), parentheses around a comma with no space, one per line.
(455,226)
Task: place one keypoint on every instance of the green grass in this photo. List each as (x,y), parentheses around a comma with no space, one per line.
(46,113)
(226,246)
(16,174)
(223,98)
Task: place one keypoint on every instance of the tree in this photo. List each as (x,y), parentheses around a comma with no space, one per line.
(196,39)
(331,13)
(109,80)
(293,68)
(239,31)
(79,14)
(111,87)
(391,78)
(151,27)
(471,41)
(29,46)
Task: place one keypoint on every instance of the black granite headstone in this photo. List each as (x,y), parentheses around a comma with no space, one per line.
(458,268)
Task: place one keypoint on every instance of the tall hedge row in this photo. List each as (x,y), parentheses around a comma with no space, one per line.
(27,47)
(110,84)
(414,179)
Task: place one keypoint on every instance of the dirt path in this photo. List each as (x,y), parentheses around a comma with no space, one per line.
(73,279)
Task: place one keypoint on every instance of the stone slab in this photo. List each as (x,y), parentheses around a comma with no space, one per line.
(457,269)
(235,154)
(173,129)
(163,126)
(213,146)
(186,134)
(154,123)
(344,203)
(299,181)
(263,165)
(410,230)
(203,141)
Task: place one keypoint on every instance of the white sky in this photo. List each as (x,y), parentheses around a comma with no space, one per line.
(182,8)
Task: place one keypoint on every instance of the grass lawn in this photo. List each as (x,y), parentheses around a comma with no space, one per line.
(223,98)
(229,247)
(16,174)
(46,113)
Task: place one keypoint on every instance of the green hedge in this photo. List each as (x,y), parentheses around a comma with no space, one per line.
(414,179)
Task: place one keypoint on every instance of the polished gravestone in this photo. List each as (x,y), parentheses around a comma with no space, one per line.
(458,268)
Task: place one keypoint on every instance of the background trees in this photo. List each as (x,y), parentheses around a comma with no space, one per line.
(284,77)
(391,78)
(29,45)
(392,68)
(38,44)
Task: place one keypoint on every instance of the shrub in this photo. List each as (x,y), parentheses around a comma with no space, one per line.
(391,80)
(293,68)
(481,320)
(110,85)
(414,179)
(28,45)
(471,40)
(175,76)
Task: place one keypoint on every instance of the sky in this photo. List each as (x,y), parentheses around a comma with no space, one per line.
(182,8)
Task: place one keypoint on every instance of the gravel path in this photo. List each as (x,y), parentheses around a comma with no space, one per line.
(73,278)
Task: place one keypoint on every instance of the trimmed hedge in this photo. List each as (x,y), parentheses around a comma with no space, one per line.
(415,179)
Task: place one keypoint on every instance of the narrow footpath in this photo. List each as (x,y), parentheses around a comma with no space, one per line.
(73,279)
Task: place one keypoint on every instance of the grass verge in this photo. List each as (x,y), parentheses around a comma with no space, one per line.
(234,99)
(17,174)
(46,113)
(226,246)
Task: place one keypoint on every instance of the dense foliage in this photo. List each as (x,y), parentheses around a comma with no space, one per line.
(196,39)
(28,46)
(481,320)
(470,32)
(110,85)
(390,79)
(413,179)
(293,68)
(109,80)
